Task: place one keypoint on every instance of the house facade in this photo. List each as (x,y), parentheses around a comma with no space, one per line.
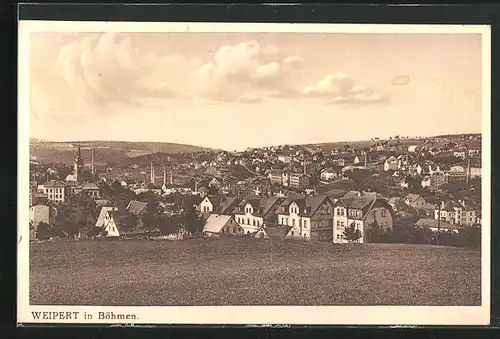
(361,211)
(298,180)
(308,218)
(456,213)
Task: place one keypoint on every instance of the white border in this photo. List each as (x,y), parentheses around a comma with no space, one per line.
(342,315)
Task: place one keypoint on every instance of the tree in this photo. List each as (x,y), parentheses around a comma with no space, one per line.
(376,233)
(351,233)
(43,231)
(168,226)
(126,221)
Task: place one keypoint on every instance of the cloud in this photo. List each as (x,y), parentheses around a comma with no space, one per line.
(107,68)
(249,99)
(342,89)
(246,67)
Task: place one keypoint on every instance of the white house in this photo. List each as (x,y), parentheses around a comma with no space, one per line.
(215,224)
(106,224)
(328,174)
(391,164)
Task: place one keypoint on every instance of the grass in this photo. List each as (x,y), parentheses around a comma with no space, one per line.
(251,272)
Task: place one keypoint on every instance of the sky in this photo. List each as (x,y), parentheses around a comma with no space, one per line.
(237,90)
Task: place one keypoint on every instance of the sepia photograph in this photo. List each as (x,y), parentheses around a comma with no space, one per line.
(220,169)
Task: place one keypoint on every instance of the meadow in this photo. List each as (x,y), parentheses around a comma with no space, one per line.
(251,272)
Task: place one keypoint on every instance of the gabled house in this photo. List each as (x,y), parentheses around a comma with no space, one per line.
(329,173)
(308,217)
(217,224)
(416,201)
(456,213)
(256,211)
(218,204)
(391,164)
(360,210)
(105,225)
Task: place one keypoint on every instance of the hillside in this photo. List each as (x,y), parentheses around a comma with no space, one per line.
(104,151)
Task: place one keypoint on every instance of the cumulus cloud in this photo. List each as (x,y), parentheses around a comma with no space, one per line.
(107,68)
(246,67)
(340,88)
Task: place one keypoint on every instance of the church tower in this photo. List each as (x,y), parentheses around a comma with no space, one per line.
(78,165)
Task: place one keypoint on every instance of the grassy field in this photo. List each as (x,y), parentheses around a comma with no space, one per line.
(251,272)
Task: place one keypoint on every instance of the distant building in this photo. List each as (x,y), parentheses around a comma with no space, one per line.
(299,180)
(329,174)
(56,191)
(391,164)
(417,202)
(456,213)
(433,225)
(361,210)
(42,213)
(307,217)
(105,226)
(276,177)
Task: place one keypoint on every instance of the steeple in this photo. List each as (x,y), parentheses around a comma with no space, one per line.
(78,164)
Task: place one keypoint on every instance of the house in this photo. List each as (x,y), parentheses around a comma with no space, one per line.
(216,224)
(284,159)
(436,180)
(218,204)
(256,211)
(391,164)
(215,182)
(299,180)
(56,191)
(309,218)
(456,213)
(393,202)
(360,210)
(434,225)
(329,174)
(36,197)
(105,225)
(92,190)
(412,148)
(416,201)
(41,213)
(276,177)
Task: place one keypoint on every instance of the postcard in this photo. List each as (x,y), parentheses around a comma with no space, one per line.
(251,173)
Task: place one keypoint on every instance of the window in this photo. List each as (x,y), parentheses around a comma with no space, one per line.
(253,222)
(342,224)
(292,233)
(338,225)
(282,221)
(357,213)
(248,221)
(300,223)
(338,236)
(338,211)
(305,223)
(383,213)
(293,222)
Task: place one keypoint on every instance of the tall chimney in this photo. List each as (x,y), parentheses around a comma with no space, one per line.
(152,173)
(195,185)
(365,159)
(468,168)
(171,177)
(164,175)
(92,164)
(305,167)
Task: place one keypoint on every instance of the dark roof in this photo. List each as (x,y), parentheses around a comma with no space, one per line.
(307,205)
(428,222)
(136,207)
(228,204)
(276,232)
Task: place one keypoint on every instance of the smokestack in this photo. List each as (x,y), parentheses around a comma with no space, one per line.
(365,159)
(305,167)
(152,173)
(195,185)
(468,168)
(92,164)
(164,175)
(171,177)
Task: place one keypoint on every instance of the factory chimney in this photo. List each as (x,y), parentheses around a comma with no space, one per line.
(152,174)
(92,164)
(164,175)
